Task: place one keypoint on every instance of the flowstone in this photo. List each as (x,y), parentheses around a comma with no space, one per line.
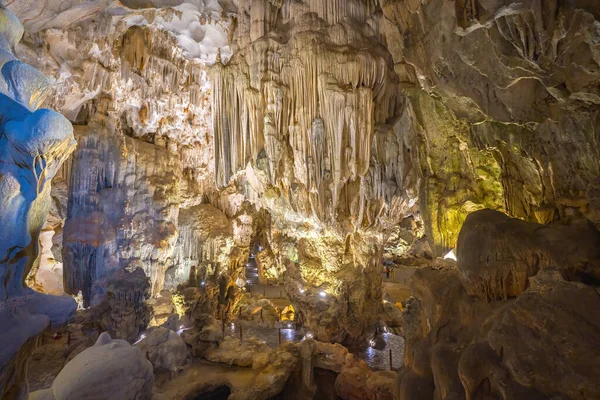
(33,145)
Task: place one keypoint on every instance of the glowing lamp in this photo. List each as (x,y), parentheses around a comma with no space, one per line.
(450,255)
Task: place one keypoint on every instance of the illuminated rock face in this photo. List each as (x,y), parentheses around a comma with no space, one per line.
(464,346)
(136,86)
(332,120)
(306,117)
(497,254)
(308,107)
(117,188)
(336,286)
(514,90)
(33,145)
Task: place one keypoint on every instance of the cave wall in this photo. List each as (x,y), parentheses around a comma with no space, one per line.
(516,319)
(34,143)
(122,211)
(521,80)
(336,118)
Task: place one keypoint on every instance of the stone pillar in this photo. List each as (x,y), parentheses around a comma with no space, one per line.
(307,349)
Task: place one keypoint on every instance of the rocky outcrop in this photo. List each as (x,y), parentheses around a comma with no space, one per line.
(354,379)
(249,353)
(335,286)
(33,145)
(279,366)
(204,247)
(463,346)
(164,348)
(124,313)
(265,380)
(504,97)
(497,254)
(109,225)
(109,369)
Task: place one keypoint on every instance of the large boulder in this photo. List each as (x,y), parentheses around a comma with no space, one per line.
(497,254)
(164,348)
(539,345)
(278,367)
(249,353)
(111,369)
(550,338)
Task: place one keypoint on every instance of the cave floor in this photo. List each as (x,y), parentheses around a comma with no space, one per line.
(377,356)
(398,292)
(201,376)
(46,362)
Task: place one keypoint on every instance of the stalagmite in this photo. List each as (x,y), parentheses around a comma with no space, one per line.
(259,183)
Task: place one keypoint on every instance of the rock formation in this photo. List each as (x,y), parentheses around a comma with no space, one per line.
(493,344)
(320,138)
(33,145)
(164,349)
(505,100)
(108,369)
(354,379)
(145,149)
(497,254)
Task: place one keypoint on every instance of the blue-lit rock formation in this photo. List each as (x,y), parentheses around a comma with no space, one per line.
(33,145)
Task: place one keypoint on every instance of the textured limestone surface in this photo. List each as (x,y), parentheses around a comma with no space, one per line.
(34,142)
(505,95)
(497,343)
(108,369)
(133,80)
(354,379)
(263,379)
(497,254)
(321,136)
(164,348)
(160,134)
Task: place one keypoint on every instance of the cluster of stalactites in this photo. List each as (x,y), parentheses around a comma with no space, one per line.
(332,11)
(309,99)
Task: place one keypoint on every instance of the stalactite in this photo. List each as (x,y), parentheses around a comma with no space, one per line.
(313,96)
